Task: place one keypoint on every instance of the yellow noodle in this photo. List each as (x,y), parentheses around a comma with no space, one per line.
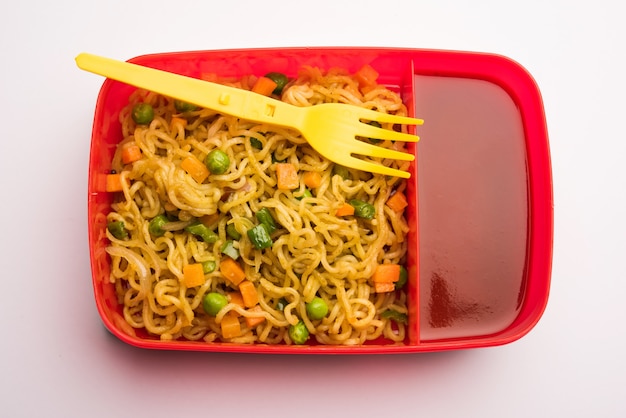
(314,253)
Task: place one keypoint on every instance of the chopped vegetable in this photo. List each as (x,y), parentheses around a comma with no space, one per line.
(117,229)
(281,304)
(253,321)
(341,171)
(209,220)
(383,287)
(255,143)
(264,216)
(286,176)
(317,308)
(235,298)
(228,248)
(312,179)
(230,326)
(155,226)
(114,182)
(213,302)
(260,237)
(305,193)
(175,122)
(232,232)
(193,275)
(201,230)
(385,276)
(397,202)
(195,168)
(363,209)
(182,106)
(345,210)
(298,333)
(366,76)
(131,153)
(142,113)
(232,271)
(248,293)
(404,277)
(395,316)
(280,79)
(264,86)
(208,266)
(217,161)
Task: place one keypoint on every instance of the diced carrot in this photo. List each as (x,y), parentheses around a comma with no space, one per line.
(345,210)
(386,273)
(248,293)
(286,176)
(312,179)
(193,275)
(397,202)
(130,153)
(210,220)
(232,270)
(114,182)
(366,76)
(235,297)
(264,86)
(175,122)
(230,325)
(383,287)
(252,321)
(195,168)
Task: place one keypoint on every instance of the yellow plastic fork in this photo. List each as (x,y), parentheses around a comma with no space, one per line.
(331,129)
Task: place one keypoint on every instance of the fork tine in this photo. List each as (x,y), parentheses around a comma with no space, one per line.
(370,114)
(363,148)
(376,168)
(380,133)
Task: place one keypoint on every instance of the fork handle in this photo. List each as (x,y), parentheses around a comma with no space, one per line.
(229,100)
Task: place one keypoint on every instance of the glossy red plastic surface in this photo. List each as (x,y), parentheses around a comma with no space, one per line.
(481,248)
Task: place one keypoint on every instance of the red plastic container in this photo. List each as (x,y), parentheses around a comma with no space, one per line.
(480,195)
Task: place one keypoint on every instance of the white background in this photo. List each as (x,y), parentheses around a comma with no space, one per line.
(57,359)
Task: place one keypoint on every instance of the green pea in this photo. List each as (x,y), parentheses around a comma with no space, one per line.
(117,229)
(395,316)
(182,106)
(142,113)
(260,237)
(213,302)
(155,227)
(363,209)
(298,333)
(280,79)
(404,276)
(217,161)
(208,266)
(317,308)
(281,304)
(229,249)
(202,231)
(232,232)
(342,171)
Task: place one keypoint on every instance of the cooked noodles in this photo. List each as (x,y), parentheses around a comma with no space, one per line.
(314,252)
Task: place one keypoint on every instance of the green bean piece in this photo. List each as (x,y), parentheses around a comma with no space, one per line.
(142,113)
(229,249)
(217,161)
(155,226)
(256,143)
(208,266)
(317,308)
(117,229)
(213,302)
(395,316)
(182,106)
(232,232)
(264,216)
(280,79)
(341,171)
(201,230)
(260,237)
(306,193)
(298,333)
(281,304)
(404,277)
(363,209)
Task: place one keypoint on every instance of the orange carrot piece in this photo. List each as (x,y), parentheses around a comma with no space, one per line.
(384,287)
(193,275)
(175,122)
(397,202)
(286,176)
(114,183)
(312,179)
(386,273)
(235,298)
(253,321)
(248,293)
(366,76)
(230,325)
(264,86)
(131,153)
(232,270)
(195,168)
(210,220)
(345,210)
